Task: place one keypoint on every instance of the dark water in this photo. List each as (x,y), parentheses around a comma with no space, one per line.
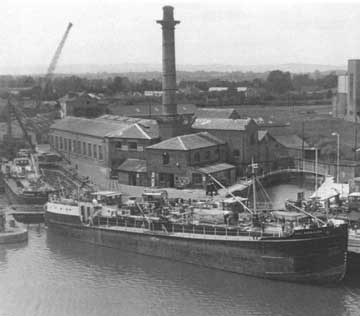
(52,275)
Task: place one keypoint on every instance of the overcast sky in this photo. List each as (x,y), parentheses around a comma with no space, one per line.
(211,32)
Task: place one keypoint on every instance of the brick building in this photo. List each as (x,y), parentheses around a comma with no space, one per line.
(241,136)
(185,160)
(281,151)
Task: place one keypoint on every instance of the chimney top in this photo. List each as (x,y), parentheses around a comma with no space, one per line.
(168,13)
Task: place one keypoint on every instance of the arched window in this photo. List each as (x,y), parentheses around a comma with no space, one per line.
(165,158)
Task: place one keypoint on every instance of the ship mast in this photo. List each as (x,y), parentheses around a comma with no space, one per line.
(253,167)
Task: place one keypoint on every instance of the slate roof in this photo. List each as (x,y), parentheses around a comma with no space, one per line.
(137,127)
(147,110)
(188,142)
(216,113)
(109,126)
(291,141)
(221,124)
(133,165)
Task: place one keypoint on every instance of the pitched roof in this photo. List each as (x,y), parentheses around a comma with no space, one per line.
(291,141)
(221,124)
(217,113)
(110,126)
(188,142)
(133,165)
(137,127)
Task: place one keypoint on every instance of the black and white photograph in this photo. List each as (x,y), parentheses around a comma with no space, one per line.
(179,157)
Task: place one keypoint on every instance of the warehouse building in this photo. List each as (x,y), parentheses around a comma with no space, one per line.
(99,146)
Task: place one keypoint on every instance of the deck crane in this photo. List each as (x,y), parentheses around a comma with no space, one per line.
(44,87)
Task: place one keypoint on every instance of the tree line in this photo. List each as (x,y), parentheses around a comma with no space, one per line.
(276,83)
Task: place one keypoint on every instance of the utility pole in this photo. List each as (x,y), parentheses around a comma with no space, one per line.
(303,145)
(355,143)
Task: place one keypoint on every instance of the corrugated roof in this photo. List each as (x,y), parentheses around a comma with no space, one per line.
(110,126)
(188,142)
(215,168)
(217,113)
(291,141)
(133,165)
(221,124)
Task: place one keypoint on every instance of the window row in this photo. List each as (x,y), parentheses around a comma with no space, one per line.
(207,155)
(77,147)
(130,145)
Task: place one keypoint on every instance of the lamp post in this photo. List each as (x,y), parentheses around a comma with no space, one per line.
(338,156)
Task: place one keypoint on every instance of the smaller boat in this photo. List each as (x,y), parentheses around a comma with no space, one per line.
(22,182)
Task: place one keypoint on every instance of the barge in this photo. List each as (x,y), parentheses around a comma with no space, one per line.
(22,183)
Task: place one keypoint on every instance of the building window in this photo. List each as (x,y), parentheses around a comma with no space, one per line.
(95,151)
(101,157)
(196,178)
(89,150)
(118,145)
(70,147)
(78,147)
(165,158)
(207,155)
(132,145)
(61,143)
(65,144)
(56,142)
(236,153)
(74,146)
(197,157)
(51,140)
(84,148)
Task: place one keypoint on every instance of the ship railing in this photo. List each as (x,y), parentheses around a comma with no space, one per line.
(172,228)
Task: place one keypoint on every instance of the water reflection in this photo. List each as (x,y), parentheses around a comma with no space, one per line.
(178,288)
(54,275)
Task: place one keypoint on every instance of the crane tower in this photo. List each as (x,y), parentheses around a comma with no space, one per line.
(56,56)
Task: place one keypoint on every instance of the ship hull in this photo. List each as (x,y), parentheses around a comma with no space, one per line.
(319,260)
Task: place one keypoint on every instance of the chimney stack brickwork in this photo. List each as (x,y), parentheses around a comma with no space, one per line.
(169,69)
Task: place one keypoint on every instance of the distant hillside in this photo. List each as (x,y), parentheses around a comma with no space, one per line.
(146,67)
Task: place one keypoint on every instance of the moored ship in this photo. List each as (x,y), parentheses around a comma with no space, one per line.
(22,183)
(293,249)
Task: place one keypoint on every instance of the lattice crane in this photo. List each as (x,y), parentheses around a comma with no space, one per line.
(50,72)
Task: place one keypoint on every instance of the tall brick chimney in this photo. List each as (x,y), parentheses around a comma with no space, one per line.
(168,61)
